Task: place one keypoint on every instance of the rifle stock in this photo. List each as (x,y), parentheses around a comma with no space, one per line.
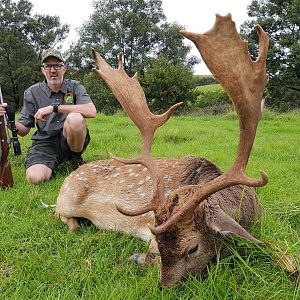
(6,178)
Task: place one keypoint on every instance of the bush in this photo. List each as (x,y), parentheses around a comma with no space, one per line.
(213,99)
(166,83)
(100,94)
(205,80)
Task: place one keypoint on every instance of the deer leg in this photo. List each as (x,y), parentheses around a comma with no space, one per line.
(73,223)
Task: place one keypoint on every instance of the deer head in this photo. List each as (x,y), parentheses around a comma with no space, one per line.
(177,217)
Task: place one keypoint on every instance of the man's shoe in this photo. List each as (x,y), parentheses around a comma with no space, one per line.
(77,162)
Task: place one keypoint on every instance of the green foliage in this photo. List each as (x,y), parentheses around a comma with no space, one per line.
(101,95)
(22,38)
(212,99)
(171,46)
(281,19)
(165,84)
(40,259)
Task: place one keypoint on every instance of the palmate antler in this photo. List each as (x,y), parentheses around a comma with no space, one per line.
(226,55)
(131,96)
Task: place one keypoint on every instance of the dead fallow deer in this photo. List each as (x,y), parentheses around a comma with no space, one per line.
(182,206)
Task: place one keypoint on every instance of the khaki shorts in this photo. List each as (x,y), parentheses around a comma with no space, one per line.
(51,152)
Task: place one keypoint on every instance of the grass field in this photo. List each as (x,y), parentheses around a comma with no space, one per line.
(40,259)
(210,87)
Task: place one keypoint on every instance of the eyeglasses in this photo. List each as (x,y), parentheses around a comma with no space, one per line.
(55,66)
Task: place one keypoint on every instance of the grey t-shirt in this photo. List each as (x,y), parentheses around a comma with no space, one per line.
(39,95)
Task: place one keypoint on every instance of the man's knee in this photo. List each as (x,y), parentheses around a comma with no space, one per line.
(38,173)
(75,122)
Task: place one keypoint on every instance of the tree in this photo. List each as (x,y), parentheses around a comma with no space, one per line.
(22,39)
(136,27)
(171,45)
(206,80)
(281,19)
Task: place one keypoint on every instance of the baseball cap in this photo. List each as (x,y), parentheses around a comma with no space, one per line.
(52,53)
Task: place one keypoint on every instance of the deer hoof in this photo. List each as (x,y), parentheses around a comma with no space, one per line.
(143,258)
(73,224)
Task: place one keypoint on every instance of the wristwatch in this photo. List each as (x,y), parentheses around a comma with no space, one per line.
(55,107)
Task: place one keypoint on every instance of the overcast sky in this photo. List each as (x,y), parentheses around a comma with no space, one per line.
(195,15)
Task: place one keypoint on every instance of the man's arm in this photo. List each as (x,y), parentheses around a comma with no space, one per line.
(22,130)
(87,110)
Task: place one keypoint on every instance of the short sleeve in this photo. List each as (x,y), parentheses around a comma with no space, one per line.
(28,110)
(82,97)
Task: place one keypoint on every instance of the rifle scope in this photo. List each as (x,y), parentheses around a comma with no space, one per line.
(10,112)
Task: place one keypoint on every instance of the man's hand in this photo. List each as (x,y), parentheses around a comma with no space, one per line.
(2,109)
(43,112)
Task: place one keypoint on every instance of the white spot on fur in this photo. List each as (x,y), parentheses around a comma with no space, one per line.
(83,179)
(130,186)
(168,192)
(168,177)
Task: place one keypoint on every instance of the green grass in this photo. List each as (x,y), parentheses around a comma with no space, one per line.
(210,87)
(40,259)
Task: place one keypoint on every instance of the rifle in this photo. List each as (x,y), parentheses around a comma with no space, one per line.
(6,178)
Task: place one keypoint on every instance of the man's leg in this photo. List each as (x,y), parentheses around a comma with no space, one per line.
(42,159)
(38,173)
(75,133)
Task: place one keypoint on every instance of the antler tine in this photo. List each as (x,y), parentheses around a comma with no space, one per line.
(226,55)
(131,96)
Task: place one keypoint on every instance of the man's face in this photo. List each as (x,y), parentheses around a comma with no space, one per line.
(53,70)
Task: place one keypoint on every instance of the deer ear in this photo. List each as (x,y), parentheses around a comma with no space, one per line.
(219,221)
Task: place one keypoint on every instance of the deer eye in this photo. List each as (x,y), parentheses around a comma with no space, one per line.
(192,251)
